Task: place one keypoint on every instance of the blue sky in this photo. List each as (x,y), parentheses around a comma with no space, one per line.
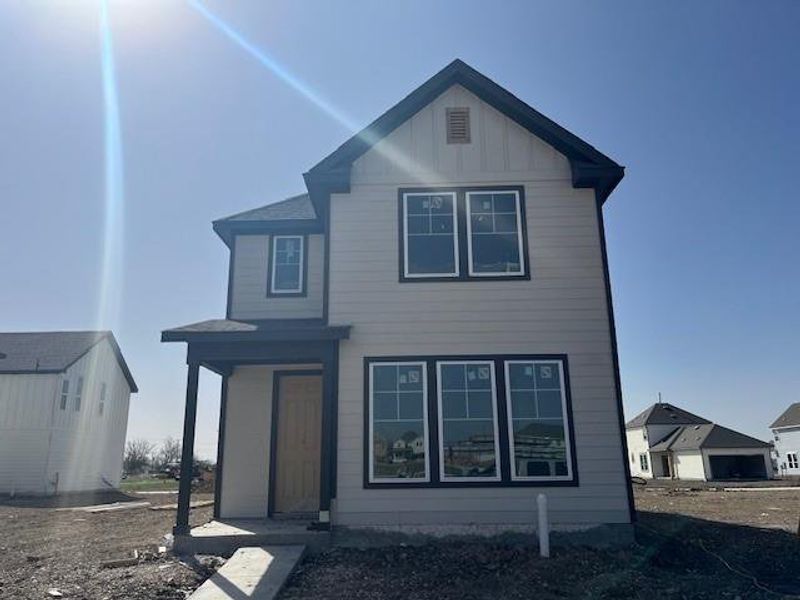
(697,100)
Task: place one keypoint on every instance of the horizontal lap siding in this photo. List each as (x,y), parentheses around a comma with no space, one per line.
(561,310)
(249,292)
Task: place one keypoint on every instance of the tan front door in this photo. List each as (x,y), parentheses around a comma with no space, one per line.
(297,449)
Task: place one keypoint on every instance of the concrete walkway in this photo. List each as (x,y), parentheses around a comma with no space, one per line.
(251,574)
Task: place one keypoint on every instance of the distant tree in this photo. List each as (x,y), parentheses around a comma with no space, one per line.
(169,453)
(138,456)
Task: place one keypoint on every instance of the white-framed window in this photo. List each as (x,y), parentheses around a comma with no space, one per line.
(286,276)
(101,405)
(791,459)
(64,394)
(398,422)
(78,394)
(430,235)
(469,448)
(494,233)
(537,420)
(643,462)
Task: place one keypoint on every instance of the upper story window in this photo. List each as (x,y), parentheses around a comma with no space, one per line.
(101,406)
(287,266)
(64,394)
(463,234)
(431,241)
(494,234)
(78,394)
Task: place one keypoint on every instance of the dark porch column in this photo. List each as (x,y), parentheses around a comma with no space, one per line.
(187,450)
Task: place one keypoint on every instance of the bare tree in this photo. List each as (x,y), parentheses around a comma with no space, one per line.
(169,453)
(138,455)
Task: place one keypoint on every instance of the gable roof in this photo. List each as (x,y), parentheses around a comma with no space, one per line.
(590,167)
(53,351)
(789,418)
(296,213)
(664,413)
(708,435)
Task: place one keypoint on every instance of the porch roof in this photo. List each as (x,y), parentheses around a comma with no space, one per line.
(266,330)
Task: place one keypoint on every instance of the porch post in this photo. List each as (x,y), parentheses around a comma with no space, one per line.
(328,437)
(187,450)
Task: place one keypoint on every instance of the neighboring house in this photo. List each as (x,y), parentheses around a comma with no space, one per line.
(668,442)
(63,411)
(424,341)
(786,433)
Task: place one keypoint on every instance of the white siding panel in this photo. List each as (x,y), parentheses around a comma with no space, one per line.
(249,294)
(688,465)
(561,310)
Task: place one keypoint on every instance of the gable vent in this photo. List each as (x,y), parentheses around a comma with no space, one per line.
(458,126)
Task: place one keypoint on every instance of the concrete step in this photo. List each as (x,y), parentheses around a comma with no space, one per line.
(225,536)
(254,573)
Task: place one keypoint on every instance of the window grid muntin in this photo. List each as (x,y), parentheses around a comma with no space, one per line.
(564,419)
(426,435)
(440,419)
(276,254)
(78,394)
(519,232)
(64,394)
(406,234)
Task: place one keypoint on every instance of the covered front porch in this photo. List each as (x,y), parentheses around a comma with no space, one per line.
(276,452)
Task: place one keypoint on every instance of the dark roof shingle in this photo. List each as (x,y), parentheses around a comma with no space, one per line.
(52,351)
(296,207)
(663,413)
(707,435)
(789,418)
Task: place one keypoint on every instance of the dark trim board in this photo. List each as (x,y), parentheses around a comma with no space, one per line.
(273,434)
(223,411)
(303,267)
(615,359)
(231,267)
(502,425)
(461,222)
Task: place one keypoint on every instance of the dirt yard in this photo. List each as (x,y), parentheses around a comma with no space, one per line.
(690,545)
(43,547)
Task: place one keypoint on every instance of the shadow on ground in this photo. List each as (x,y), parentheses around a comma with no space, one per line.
(674,557)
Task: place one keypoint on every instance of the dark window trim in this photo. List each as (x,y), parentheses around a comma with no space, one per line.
(303,267)
(461,222)
(502,414)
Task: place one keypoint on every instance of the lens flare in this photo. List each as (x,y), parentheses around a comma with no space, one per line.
(400,159)
(113,204)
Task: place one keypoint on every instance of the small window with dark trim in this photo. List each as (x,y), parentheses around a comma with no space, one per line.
(494,234)
(430,235)
(64,394)
(101,405)
(286,276)
(78,394)
(644,463)
(398,424)
(458,130)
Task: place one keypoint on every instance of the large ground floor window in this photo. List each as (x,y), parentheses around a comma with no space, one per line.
(494,420)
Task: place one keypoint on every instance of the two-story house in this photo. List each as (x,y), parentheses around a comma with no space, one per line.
(424,341)
(786,436)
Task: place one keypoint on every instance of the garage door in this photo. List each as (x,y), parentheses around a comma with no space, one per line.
(749,466)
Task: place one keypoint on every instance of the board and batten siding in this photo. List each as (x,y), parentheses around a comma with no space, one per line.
(249,298)
(561,310)
(44,449)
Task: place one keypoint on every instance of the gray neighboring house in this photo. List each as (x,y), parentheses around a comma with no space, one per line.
(665,441)
(424,340)
(64,399)
(786,435)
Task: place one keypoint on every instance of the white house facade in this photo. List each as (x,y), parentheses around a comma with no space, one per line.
(786,438)
(424,341)
(64,400)
(668,442)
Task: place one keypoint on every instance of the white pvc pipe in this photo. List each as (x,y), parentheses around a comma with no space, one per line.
(544,526)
